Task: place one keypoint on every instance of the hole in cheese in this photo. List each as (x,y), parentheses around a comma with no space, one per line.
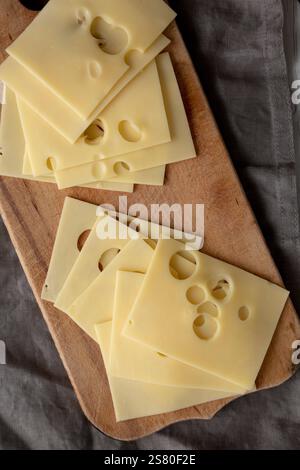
(98,170)
(209,308)
(112,39)
(195,295)
(107,257)
(244,313)
(205,327)
(132,57)
(163,356)
(82,16)
(129,131)
(221,290)
(94,69)
(50,162)
(82,239)
(121,168)
(94,133)
(182,265)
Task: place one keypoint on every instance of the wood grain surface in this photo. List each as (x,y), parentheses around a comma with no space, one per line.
(31,212)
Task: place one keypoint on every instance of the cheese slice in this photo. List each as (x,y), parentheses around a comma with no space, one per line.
(216,317)
(123,183)
(133,361)
(180,148)
(77,218)
(12,144)
(55,111)
(12,139)
(95,305)
(93,258)
(117,186)
(14,160)
(133,121)
(90,40)
(133,399)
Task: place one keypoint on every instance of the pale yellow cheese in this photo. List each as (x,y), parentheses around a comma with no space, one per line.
(12,143)
(123,183)
(86,268)
(151,230)
(180,148)
(133,361)
(112,186)
(216,317)
(134,120)
(149,177)
(65,252)
(117,185)
(78,48)
(14,160)
(89,263)
(12,139)
(77,218)
(52,109)
(133,399)
(95,305)
(27,169)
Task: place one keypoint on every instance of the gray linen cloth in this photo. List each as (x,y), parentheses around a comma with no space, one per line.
(237,48)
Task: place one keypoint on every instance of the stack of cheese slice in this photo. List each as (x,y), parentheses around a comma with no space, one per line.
(176,327)
(89,98)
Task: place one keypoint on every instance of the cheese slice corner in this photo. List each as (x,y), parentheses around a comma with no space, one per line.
(133,399)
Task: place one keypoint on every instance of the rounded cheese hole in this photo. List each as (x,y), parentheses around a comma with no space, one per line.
(94,69)
(82,239)
(133,57)
(82,16)
(221,289)
(121,168)
(98,170)
(195,295)
(129,131)
(182,268)
(205,327)
(209,308)
(94,133)
(107,258)
(112,39)
(50,162)
(244,313)
(162,356)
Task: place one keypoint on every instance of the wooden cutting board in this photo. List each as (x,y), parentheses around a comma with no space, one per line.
(31,212)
